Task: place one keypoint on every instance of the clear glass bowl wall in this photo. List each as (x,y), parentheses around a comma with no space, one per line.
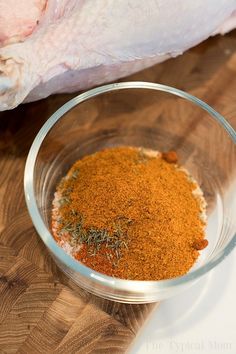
(137,114)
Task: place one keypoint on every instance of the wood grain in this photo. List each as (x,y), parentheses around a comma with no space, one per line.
(41,310)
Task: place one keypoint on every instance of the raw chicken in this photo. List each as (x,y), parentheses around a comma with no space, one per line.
(69,45)
(18,19)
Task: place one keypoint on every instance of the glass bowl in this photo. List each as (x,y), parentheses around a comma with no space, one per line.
(137,114)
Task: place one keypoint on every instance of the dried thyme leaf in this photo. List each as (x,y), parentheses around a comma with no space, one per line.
(64,200)
(94,238)
(75,174)
(124,243)
(74,212)
(67,228)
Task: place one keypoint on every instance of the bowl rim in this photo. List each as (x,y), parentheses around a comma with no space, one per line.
(46,236)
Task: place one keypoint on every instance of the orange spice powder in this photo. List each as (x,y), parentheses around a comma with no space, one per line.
(130,214)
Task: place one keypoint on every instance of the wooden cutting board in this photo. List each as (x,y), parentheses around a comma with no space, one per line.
(41,311)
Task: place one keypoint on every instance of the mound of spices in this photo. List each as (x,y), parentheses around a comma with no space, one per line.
(130,213)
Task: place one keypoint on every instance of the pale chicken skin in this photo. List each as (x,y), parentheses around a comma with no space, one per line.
(51,46)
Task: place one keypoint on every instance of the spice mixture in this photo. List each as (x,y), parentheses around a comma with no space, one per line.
(130,213)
